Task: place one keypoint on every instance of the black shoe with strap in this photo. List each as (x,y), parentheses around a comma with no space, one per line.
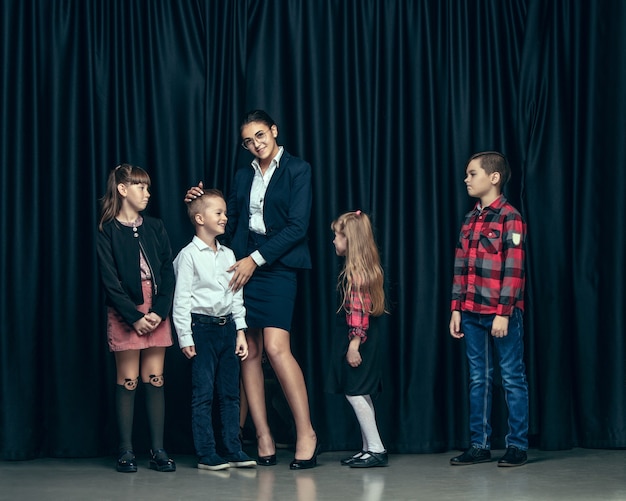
(473,455)
(370,460)
(160,461)
(126,462)
(350,459)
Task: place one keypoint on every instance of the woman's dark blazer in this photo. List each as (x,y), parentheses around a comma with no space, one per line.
(118,259)
(286,212)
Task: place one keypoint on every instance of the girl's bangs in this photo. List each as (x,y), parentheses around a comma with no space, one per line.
(139,176)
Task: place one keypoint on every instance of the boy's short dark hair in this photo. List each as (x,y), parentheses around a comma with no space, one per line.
(493,161)
(198,204)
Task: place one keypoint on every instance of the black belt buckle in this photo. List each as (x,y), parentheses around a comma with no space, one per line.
(221,321)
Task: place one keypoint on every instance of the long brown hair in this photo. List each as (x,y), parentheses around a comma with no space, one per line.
(362,271)
(112,200)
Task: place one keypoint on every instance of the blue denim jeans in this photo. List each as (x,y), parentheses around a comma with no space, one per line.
(480,346)
(214,371)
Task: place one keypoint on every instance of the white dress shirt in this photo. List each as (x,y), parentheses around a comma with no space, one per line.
(202,287)
(260,182)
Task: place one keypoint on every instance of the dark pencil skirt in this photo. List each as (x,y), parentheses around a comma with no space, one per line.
(270,294)
(269,297)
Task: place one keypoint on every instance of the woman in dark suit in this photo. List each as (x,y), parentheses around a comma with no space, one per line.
(269,208)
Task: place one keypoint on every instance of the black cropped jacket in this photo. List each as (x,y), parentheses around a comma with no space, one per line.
(118,259)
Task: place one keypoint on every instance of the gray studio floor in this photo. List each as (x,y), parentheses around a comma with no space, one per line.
(583,474)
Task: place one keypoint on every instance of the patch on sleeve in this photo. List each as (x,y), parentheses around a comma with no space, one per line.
(516,238)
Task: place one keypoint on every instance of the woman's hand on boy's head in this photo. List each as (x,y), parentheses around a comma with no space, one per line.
(194,192)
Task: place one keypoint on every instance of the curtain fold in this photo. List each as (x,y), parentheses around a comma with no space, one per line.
(386,100)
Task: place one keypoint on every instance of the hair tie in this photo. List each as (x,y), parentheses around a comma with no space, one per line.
(358,212)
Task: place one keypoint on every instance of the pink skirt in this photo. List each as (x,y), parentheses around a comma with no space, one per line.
(121,336)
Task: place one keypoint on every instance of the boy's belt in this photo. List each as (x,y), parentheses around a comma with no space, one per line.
(207,319)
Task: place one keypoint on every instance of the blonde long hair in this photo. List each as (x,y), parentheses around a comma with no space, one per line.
(112,200)
(362,271)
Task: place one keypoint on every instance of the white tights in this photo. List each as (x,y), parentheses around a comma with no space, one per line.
(365,414)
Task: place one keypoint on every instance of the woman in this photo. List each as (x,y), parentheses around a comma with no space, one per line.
(268,216)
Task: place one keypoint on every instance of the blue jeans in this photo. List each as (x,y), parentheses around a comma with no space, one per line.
(214,371)
(480,346)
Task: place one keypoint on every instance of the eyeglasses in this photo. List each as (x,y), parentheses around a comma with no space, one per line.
(259,136)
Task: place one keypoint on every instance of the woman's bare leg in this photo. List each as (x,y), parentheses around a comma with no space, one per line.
(254,384)
(289,374)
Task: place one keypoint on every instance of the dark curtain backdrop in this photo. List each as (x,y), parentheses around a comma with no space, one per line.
(386,99)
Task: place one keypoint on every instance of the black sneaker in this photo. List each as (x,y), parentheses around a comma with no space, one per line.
(473,455)
(513,457)
(213,462)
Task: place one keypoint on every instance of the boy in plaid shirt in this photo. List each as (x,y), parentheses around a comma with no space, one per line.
(487,306)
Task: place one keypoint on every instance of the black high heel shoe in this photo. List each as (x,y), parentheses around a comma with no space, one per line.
(305,464)
(266,460)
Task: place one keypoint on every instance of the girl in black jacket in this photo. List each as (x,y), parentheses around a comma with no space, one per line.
(136,270)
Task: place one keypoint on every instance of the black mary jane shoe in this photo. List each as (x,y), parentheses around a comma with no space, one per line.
(305,464)
(374,459)
(160,461)
(266,460)
(126,462)
(350,459)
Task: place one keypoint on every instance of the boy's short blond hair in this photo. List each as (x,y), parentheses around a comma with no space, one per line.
(198,204)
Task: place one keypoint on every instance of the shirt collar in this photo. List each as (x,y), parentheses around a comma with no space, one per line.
(275,161)
(495,206)
(201,244)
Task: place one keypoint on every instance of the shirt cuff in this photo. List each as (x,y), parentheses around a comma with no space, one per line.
(257,258)
(185,340)
(357,332)
(505,310)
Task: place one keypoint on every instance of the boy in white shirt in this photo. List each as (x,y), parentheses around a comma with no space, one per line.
(210,322)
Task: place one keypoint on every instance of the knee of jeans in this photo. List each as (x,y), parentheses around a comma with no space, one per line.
(515,379)
(481,377)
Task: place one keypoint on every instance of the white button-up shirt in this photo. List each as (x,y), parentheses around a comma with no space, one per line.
(260,182)
(202,287)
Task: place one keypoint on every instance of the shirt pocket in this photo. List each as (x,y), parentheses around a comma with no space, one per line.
(490,241)
(464,240)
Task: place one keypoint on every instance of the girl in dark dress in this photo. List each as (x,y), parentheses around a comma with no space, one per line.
(355,370)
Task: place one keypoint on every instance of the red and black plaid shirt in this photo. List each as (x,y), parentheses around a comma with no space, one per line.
(489,260)
(357,315)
